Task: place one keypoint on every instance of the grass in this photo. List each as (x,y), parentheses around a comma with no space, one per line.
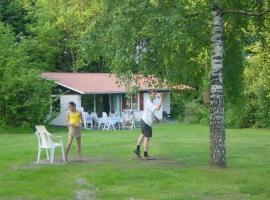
(110,172)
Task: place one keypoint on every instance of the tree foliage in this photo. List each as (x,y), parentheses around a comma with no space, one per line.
(165,38)
(25,98)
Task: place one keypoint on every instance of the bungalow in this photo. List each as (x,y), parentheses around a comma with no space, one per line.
(99,92)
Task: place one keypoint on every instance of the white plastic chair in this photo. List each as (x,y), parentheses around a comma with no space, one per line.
(104,115)
(128,120)
(129,124)
(88,121)
(95,120)
(45,141)
(103,123)
(115,122)
(107,122)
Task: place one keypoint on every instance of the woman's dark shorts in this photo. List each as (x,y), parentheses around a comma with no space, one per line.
(146,129)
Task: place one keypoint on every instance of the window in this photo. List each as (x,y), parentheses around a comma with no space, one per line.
(126,104)
(130,103)
(134,102)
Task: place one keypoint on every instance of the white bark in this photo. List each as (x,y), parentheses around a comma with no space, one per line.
(217,130)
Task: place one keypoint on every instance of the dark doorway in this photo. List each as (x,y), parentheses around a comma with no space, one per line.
(102,103)
(87,102)
(106,103)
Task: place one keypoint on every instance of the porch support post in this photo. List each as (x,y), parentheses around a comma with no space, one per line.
(118,105)
(95,106)
(110,103)
(121,104)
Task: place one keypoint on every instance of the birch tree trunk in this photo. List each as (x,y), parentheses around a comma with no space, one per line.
(217,129)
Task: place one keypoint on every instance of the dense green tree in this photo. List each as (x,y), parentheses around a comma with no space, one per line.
(25,98)
(12,13)
(256,77)
(57,27)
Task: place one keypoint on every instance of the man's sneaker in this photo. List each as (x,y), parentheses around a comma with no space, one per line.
(137,153)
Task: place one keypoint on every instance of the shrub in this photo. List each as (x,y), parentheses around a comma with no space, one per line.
(250,113)
(178,101)
(233,116)
(196,113)
(24,100)
(24,97)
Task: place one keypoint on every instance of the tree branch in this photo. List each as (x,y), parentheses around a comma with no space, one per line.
(242,12)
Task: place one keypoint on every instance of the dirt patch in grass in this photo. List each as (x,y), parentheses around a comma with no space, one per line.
(155,161)
(228,196)
(162,162)
(56,161)
(85,195)
(81,181)
(159,162)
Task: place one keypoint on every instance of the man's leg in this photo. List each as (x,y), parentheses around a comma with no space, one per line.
(139,142)
(146,145)
(70,139)
(140,139)
(78,148)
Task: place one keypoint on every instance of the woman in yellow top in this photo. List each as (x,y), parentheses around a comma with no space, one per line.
(74,121)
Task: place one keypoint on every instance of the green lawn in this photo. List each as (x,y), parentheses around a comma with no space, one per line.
(111,172)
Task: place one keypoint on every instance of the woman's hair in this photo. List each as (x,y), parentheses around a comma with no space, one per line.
(72,104)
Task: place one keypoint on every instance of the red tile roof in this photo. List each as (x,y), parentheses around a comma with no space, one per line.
(91,83)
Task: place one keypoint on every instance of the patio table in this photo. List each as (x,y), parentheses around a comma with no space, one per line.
(109,122)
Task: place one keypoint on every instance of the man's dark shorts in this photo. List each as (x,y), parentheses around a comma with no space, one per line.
(146,129)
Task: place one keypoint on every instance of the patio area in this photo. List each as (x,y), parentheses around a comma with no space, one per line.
(109,122)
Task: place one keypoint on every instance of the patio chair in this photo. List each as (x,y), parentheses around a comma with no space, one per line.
(104,122)
(129,124)
(104,115)
(88,121)
(128,120)
(112,114)
(115,123)
(95,120)
(165,115)
(45,141)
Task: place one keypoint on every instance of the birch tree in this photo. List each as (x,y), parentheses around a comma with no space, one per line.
(217,128)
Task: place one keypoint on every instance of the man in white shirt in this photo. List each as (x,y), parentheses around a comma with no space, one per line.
(146,123)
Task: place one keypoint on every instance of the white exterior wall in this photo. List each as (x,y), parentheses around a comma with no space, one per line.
(65,99)
(166,105)
(60,120)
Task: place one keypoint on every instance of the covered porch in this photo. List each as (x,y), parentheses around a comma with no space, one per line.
(99,103)
(117,103)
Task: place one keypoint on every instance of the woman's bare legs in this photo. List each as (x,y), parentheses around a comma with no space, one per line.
(78,148)
(70,139)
